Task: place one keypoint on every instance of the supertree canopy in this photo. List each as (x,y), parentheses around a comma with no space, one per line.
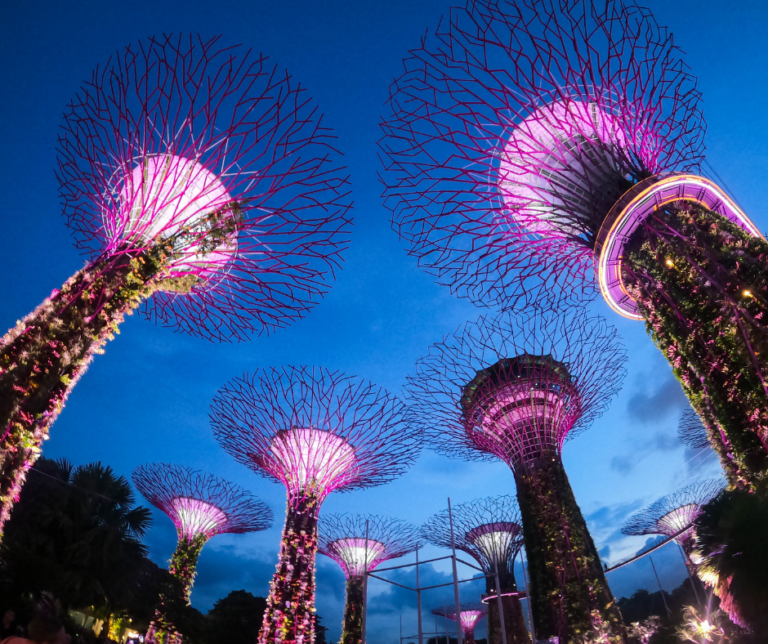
(359,543)
(202,184)
(543,147)
(470,613)
(315,431)
(490,531)
(515,387)
(200,506)
(674,515)
(691,430)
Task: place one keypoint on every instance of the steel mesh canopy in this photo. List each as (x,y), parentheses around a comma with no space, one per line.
(691,430)
(200,503)
(215,154)
(515,386)
(488,529)
(672,514)
(360,542)
(470,613)
(309,427)
(513,128)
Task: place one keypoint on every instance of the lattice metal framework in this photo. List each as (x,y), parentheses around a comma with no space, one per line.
(343,539)
(316,431)
(691,430)
(310,428)
(219,154)
(675,513)
(515,387)
(489,530)
(200,503)
(200,180)
(514,129)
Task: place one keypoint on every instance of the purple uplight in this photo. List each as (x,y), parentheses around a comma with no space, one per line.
(313,458)
(470,613)
(199,503)
(360,542)
(523,383)
(672,514)
(313,430)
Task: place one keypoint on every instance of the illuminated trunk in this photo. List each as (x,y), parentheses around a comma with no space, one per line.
(352,632)
(184,561)
(569,595)
(701,282)
(290,615)
(469,636)
(514,620)
(46,353)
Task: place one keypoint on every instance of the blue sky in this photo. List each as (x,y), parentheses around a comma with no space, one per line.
(147,398)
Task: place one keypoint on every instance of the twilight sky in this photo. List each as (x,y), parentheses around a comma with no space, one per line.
(147,398)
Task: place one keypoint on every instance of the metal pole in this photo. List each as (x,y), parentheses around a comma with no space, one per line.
(690,576)
(661,590)
(528,598)
(401,628)
(457,599)
(418,598)
(365,584)
(501,605)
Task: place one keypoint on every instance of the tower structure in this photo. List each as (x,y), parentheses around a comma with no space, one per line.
(490,531)
(691,431)
(200,506)
(201,183)
(359,543)
(552,146)
(315,431)
(673,515)
(515,387)
(470,614)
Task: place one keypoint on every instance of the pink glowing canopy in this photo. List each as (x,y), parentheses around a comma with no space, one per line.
(167,196)
(313,458)
(675,513)
(313,430)
(470,613)
(210,151)
(515,386)
(360,542)
(199,503)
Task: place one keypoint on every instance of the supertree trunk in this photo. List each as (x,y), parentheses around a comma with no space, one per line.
(701,283)
(289,617)
(352,631)
(184,561)
(514,620)
(44,355)
(568,591)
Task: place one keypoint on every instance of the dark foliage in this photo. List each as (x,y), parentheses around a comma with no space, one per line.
(732,533)
(75,533)
(235,619)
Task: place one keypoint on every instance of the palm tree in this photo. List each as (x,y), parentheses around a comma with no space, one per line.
(77,532)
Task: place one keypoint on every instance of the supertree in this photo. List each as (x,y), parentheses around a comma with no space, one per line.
(674,515)
(543,147)
(515,387)
(470,614)
(691,430)
(359,543)
(490,531)
(200,506)
(201,183)
(315,431)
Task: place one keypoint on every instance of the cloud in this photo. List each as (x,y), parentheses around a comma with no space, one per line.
(667,398)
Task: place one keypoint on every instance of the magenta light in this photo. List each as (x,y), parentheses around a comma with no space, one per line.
(470,613)
(516,126)
(673,515)
(360,542)
(313,458)
(199,503)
